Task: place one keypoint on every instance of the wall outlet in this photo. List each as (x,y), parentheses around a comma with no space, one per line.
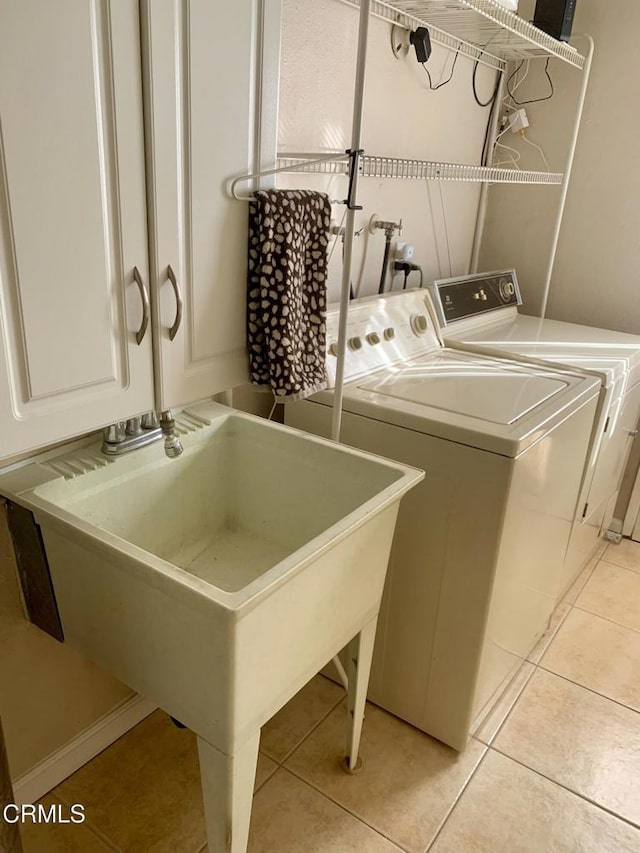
(404,251)
(518,121)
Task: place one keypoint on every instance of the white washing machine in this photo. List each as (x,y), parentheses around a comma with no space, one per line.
(480,543)
(480,313)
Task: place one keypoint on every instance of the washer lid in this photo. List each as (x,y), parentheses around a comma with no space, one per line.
(613,355)
(485,390)
(487,403)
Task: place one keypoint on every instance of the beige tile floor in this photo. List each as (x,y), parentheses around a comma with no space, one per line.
(554,768)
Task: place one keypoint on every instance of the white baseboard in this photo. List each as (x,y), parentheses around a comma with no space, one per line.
(41,779)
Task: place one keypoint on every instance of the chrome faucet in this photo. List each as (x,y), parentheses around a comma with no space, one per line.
(128,435)
(172,444)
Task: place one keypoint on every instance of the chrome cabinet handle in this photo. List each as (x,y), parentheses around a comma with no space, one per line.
(173,331)
(632,432)
(146,309)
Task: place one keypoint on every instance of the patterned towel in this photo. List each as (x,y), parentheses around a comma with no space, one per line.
(286,334)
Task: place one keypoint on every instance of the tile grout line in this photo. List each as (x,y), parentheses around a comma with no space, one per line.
(554,635)
(589,689)
(264,781)
(308,734)
(455,803)
(588,574)
(608,619)
(88,824)
(594,803)
(344,809)
(534,666)
(618,566)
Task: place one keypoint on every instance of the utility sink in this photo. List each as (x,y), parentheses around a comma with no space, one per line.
(218,583)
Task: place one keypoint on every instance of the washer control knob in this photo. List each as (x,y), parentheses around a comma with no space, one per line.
(354,343)
(389,333)
(506,289)
(333,349)
(419,324)
(373,338)
(483,296)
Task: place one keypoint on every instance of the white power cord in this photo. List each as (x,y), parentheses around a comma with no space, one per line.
(517,86)
(337,236)
(537,147)
(446,227)
(514,156)
(433,227)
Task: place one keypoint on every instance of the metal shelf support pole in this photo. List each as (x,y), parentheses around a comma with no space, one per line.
(567,173)
(484,192)
(356,139)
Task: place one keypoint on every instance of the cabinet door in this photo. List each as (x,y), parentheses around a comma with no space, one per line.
(211,76)
(72,220)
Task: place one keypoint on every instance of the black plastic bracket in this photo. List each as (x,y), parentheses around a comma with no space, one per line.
(33,570)
(354,165)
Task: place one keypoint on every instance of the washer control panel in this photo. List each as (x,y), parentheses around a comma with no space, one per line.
(381,331)
(471,295)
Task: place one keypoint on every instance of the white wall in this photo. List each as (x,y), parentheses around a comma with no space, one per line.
(402,118)
(48,692)
(596,279)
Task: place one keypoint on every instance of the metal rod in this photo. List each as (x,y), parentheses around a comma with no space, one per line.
(385,263)
(291,168)
(356,140)
(484,192)
(567,173)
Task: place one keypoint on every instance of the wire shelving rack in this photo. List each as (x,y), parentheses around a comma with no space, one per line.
(408,169)
(482,30)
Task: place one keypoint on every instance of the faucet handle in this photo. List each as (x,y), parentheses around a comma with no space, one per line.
(114,433)
(150,421)
(133,427)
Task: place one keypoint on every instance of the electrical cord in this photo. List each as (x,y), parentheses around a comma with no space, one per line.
(449,78)
(492,99)
(512,159)
(433,227)
(337,236)
(484,158)
(511,91)
(518,83)
(537,147)
(446,227)
(485,144)
(407,268)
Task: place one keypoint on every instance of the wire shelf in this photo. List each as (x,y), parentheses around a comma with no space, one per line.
(426,170)
(480,29)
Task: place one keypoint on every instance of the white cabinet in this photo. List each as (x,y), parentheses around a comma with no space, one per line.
(72,220)
(81,198)
(211,76)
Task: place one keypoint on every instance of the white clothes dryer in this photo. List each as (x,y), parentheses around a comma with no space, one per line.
(480,313)
(480,543)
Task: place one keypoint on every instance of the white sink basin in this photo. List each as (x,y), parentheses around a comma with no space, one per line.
(218,583)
